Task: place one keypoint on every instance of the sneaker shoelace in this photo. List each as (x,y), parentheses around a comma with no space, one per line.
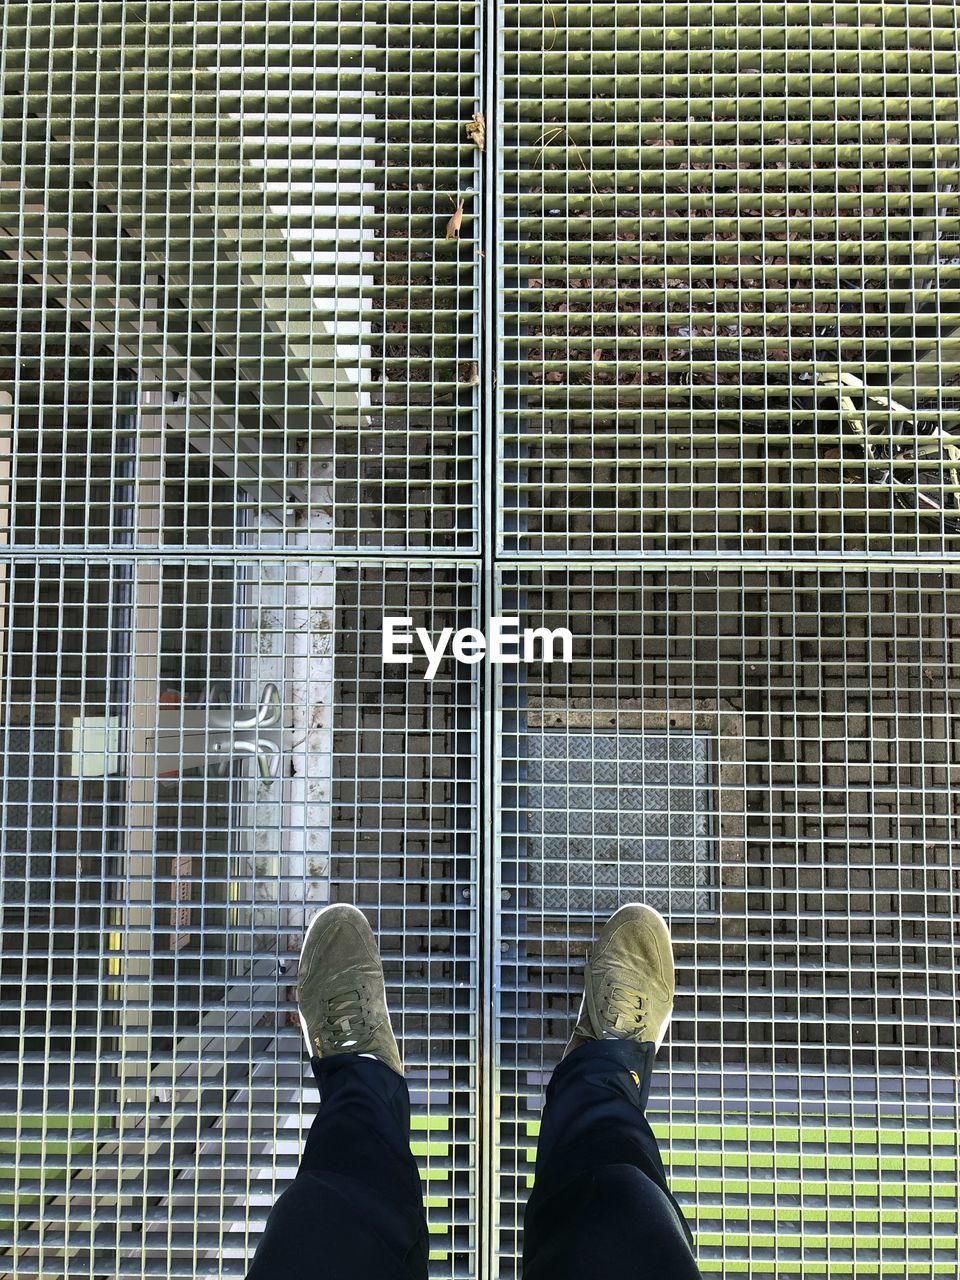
(344,1023)
(626,1006)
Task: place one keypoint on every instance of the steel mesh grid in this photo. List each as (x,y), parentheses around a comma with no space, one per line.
(242,208)
(270,485)
(154,1086)
(729,278)
(806,1097)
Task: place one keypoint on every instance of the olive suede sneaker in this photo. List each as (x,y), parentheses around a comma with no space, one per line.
(628,985)
(341,997)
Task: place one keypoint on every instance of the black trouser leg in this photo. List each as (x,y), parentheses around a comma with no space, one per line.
(355,1209)
(600,1205)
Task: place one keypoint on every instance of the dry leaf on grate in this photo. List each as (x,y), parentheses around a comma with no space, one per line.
(453,226)
(477,130)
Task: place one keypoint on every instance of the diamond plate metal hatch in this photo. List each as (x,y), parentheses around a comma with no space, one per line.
(685,382)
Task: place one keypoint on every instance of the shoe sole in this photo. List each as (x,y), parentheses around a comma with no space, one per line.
(317,924)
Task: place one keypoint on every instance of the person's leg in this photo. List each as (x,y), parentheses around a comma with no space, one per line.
(355,1209)
(600,1205)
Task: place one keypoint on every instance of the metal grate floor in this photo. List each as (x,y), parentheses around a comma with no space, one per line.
(807,1093)
(669,360)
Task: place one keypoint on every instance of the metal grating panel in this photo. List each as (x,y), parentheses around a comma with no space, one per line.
(241,210)
(807,1094)
(729,286)
(232,322)
(152,1073)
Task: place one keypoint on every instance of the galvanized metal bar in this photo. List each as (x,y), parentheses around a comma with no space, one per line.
(488,898)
